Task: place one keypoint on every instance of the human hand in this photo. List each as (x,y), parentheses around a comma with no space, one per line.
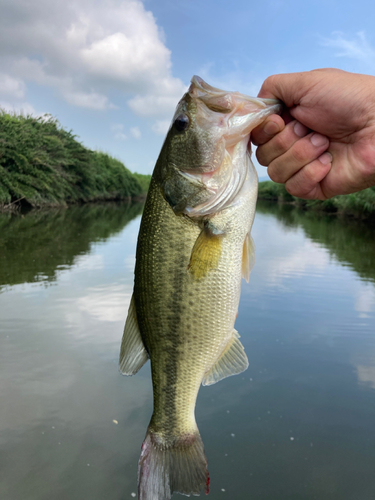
(324,143)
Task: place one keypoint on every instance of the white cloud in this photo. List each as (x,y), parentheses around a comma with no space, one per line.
(355,48)
(91,100)
(234,79)
(161,102)
(13,87)
(134,58)
(86,49)
(117,127)
(160,127)
(106,303)
(309,256)
(365,301)
(119,135)
(366,375)
(89,262)
(135,132)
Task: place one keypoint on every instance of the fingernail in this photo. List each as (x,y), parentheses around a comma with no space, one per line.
(300,129)
(271,128)
(318,140)
(325,158)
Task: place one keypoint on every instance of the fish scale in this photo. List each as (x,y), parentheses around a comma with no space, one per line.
(193,248)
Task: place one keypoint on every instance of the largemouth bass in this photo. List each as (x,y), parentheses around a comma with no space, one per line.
(194,246)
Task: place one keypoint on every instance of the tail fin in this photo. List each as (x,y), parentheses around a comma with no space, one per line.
(180,467)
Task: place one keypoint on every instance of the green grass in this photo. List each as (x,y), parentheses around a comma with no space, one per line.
(361,204)
(43,164)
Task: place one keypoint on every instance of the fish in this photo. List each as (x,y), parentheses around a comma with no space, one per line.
(194,246)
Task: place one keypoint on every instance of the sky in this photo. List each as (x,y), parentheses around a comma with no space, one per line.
(113,71)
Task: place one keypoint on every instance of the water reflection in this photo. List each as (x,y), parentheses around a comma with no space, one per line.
(58,354)
(35,247)
(351,242)
(297,424)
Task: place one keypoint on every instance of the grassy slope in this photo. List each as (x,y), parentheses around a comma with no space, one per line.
(361,204)
(44,164)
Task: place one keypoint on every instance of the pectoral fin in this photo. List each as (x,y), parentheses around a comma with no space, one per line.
(133,354)
(206,251)
(248,257)
(232,361)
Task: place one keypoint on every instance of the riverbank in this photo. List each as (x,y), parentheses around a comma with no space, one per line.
(359,205)
(44,165)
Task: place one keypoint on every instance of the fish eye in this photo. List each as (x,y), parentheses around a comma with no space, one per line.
(181,123)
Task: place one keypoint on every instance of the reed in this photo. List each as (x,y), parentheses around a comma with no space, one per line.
(42,164)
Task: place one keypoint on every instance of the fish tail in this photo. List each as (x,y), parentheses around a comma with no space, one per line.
(177,467)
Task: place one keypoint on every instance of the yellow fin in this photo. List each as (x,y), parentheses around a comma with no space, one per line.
(248,257)
(206,252)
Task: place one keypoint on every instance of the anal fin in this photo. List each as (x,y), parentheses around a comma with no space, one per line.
(133,354)
(231,362)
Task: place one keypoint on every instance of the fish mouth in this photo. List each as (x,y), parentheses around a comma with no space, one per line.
(225,101)
(241,113)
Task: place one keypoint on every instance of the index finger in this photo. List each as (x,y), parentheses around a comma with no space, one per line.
(266,130)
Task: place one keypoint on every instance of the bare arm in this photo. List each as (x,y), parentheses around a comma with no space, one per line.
(324,144)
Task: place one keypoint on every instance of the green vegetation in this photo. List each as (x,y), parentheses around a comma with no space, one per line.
(361,204)
(143,180)
(44,165)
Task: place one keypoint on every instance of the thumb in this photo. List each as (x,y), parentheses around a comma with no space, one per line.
(288,87)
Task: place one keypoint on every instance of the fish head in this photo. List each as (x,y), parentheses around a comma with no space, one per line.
(203,164)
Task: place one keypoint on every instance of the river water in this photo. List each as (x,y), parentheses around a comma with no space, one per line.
(298,424)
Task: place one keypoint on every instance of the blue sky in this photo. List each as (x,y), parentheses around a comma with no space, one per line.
(113,71)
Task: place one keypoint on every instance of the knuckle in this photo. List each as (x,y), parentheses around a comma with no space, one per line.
(299,153)
(306,183)
(275,173)
(296,188)
(269,82)
(290,189)
(308,176)
(261,156)
(280,143)
(293,190)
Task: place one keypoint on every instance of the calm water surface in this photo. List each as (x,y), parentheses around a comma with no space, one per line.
(298,424)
